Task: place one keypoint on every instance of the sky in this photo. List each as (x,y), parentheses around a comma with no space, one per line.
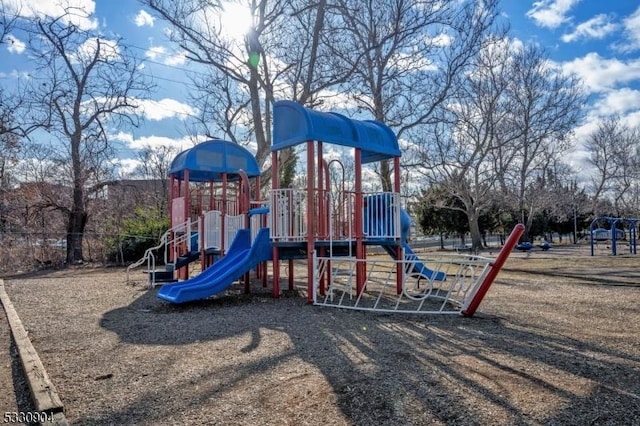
(598,40)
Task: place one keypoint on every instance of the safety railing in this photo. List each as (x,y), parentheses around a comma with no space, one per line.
(174,238)
(381,215)
(334,215)
(288,215)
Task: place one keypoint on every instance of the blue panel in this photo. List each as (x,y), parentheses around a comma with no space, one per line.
(294,124)
(207,161)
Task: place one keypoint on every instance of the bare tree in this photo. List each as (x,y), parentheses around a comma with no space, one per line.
(614,154)
(8,159)
(285,54)
(85,83)
(505,130)
(473,128)
(154,164)
(546,106)
(408,56)
(234,72)
(8,20)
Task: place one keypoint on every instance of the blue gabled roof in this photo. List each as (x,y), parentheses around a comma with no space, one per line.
(294,124)
(207,161)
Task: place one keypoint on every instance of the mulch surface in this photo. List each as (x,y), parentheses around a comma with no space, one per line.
(556,341)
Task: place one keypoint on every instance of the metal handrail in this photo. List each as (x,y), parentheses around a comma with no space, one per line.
(165,240)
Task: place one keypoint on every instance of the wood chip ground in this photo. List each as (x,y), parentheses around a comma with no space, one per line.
(556,341)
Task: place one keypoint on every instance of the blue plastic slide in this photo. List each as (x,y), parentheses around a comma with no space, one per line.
(241,257)
(419,268)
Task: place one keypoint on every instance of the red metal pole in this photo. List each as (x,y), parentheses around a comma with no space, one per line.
(223,215)
(183,273)
(400,249)
(511,242)
(321,207)
(311,218)
(172,195)
(359,232)
(275,184)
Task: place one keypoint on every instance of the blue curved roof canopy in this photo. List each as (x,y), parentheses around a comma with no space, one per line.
(208,160)
(294,124)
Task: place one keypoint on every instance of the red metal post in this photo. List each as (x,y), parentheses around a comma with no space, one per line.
(275,184)
(511,242)
(183,273)
(361,267)
(399,248)
(223,215)
(311,217)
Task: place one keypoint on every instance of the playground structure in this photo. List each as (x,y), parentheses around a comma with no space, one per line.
(209,194)
(613,233)
(331,227)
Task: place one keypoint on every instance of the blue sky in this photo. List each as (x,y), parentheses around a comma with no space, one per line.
(598,40)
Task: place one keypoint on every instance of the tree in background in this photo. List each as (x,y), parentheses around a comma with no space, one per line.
(439,213)
(9,145)
(507,124)
(154,165)
(409,56)
(85,84)
(242,76)
(547,105)
(459,155)
(7,22)
(614,153)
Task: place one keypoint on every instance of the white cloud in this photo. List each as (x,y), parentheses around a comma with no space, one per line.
(619,102)
(127,166)
(109,50)
(176,59)
(160,54)
(143,18)
(336,101)
(551,13)
(154,141)
(601,74)
(442,40)
(81,15)
(595,28)
(632,33)
(165,108)
(155,52)
(15,45)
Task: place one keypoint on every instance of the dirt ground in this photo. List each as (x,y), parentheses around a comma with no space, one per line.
(556,341)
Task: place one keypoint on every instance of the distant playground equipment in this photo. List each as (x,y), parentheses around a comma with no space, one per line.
(527,246)
(612,229)
(524,246)
(329,226)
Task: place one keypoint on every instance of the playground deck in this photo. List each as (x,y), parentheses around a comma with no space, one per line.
(556,341)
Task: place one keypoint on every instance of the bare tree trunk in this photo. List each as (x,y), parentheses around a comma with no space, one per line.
(474,230)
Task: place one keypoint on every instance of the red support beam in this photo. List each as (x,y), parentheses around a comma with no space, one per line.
(361,267)
(311,217)
(511,242)
(399,248)
(275,184)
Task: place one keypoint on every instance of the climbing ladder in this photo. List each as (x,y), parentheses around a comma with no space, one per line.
(467,280)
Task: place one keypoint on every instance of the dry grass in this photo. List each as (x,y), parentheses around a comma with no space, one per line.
(557,341)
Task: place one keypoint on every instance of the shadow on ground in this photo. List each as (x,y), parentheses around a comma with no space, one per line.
(399,369)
